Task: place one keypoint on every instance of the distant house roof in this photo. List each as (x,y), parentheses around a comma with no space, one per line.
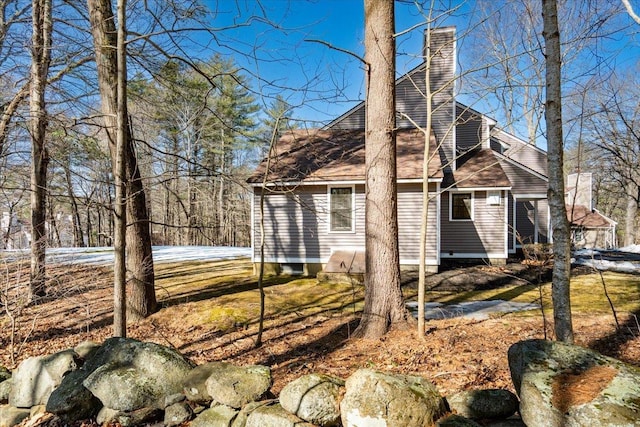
(308,156)
(582,216)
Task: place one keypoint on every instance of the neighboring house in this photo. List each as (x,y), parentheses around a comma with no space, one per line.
(589,227)
(488,188)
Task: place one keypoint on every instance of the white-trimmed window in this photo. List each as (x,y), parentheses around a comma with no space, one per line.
(341,209)
(494,197)
(461,207)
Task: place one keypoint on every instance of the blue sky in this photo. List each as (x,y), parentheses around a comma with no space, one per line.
(321,82)
(328,81)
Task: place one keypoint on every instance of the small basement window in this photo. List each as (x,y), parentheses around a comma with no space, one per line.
(461,207)
(341,209)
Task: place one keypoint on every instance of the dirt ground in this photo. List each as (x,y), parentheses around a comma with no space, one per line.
(455,354)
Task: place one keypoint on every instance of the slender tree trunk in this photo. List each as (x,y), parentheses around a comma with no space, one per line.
(120,205)
(630,214)
(78,240)
(555,147)
(142,299)
(383,305)
(40,59)
(424,221)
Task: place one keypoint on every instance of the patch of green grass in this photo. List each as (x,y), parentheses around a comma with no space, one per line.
(587,293)
(224,295)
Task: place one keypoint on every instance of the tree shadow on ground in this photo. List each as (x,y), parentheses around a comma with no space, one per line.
(613,343)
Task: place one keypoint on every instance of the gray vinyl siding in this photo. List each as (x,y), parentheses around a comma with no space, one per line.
(523,153)
(486,234)
(469,131)
(409,224)
(296,227)
(522,180)
(410,100)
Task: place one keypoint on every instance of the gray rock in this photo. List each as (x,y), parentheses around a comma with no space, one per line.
(484,404)
(36,377)
(5,374)
(138,375)
(314,398)
(218,416)
(243,415)
(562,385)
(236,386)
(72,401)
(456,421)
(86,349)
(10,415)
(128,419)
(173,399)
(5,389)
(274,415)
(378,399)
(195,383)
(106,416)
(177,414)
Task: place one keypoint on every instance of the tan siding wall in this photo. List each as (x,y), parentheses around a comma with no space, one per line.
(296,225)
(523,182)
(484,235)
(409,223)
(524,153)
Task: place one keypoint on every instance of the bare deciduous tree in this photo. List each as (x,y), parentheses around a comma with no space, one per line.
(555,147)
(40,60)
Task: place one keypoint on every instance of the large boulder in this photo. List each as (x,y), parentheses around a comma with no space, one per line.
(484,404)
(36,377)
(235,386)
(562,385)
(379,399)
(161,368)
(314,398)
(138,375)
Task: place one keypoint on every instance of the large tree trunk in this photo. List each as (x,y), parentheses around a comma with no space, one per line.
(555,149)
(40,59)
(383,305)
(141,301)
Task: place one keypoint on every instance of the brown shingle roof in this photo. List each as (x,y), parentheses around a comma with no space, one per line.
(580,215)
(480,169)
(338,155)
